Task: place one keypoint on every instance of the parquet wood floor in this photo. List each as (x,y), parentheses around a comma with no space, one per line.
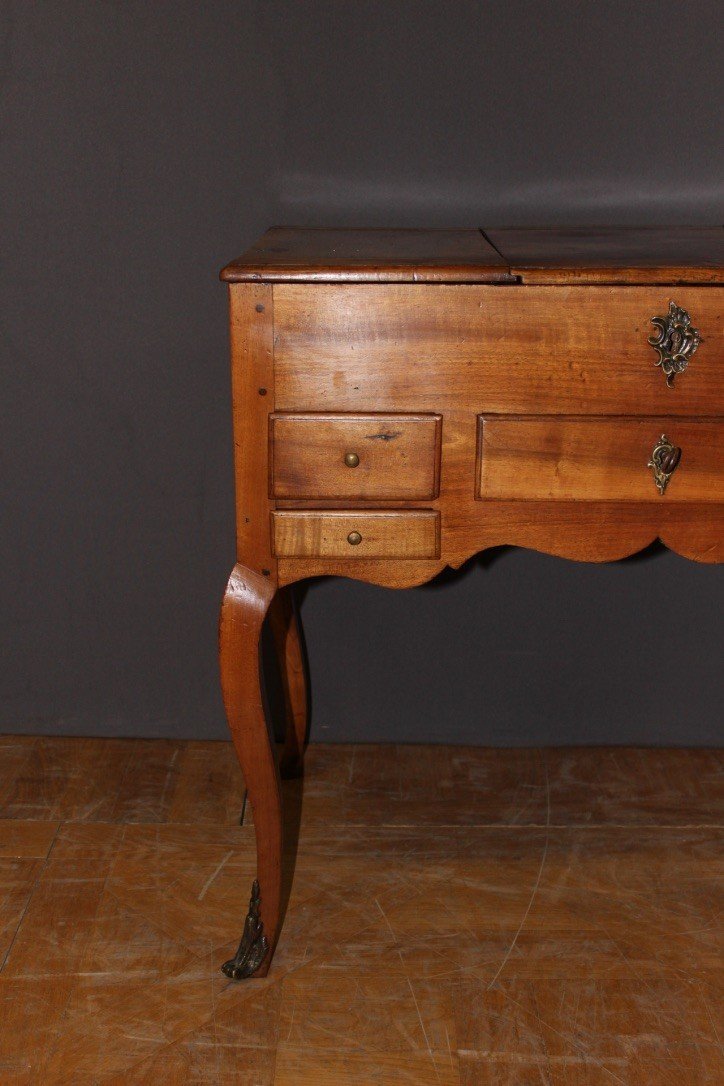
(457,916)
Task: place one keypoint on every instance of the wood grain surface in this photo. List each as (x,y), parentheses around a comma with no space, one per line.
(595,459)
(246,602)
(478,916)
(533,350)
(398,456)
(465,351)
(414,534)
(252,386)
(358,255)
(291,656)
(653,254)
(552,254)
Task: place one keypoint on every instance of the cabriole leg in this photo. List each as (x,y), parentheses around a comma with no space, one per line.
(246,601)
(293,669)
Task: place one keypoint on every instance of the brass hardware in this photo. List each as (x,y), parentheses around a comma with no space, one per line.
(675,341)
(354,538)
(351,460)
(664,462)
(253,946)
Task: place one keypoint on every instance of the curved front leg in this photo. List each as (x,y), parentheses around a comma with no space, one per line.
(246,601)
(293,668)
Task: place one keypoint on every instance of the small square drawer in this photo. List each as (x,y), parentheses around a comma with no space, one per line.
(361,457)
(600,459)
(350,534)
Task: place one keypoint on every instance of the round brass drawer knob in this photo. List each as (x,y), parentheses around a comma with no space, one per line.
(354,539)
(351,460)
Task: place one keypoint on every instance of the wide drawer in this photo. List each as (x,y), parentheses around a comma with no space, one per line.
(504,349)
(316,456)
(598,459)
(350,534)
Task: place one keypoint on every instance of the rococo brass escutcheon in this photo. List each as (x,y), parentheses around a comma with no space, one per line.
(253,946)
(675,340)
(664,462)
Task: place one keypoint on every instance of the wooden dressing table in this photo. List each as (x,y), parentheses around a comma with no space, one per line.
(404,399)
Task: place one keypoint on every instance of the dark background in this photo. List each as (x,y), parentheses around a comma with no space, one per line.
(142,146)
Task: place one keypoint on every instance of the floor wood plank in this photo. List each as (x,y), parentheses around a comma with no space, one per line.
(457,917)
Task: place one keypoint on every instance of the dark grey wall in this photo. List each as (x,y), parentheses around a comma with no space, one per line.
(142,146)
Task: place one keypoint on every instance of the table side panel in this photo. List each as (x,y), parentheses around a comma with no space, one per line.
(252,382)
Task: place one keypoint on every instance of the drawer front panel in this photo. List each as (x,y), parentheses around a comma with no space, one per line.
(360,457)
(343,534)
(504,349)
(590,459)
